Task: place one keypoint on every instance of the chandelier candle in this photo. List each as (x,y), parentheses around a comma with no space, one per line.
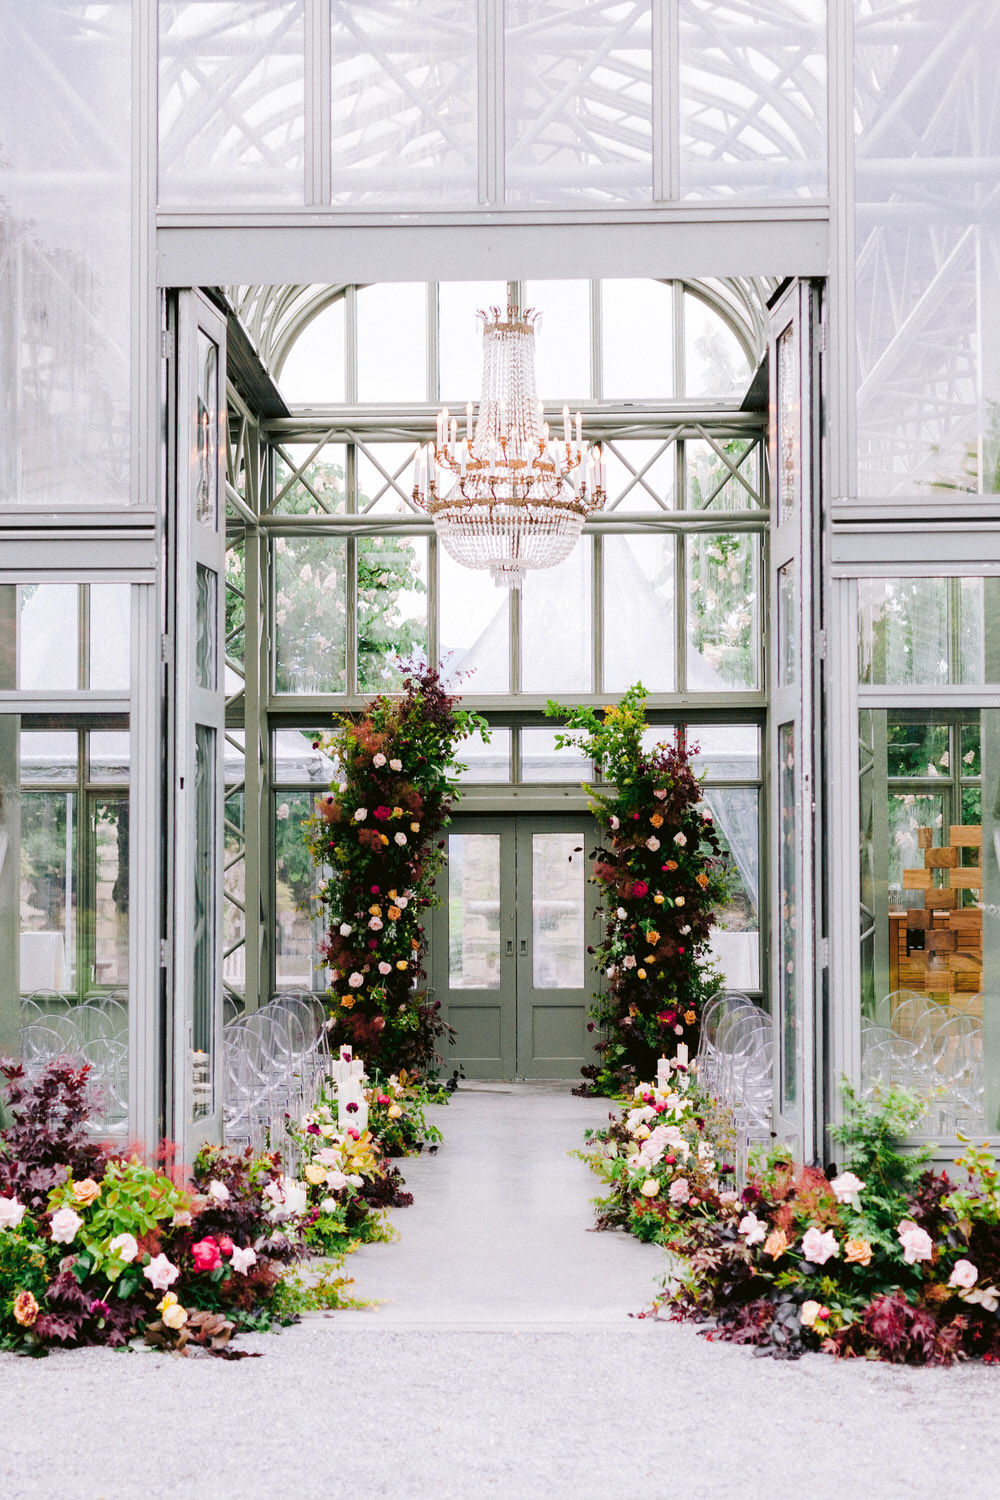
(508,498)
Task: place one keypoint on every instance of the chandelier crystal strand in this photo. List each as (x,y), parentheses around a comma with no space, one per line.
(502,496)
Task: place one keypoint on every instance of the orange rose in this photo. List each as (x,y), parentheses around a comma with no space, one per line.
(394,913)
(384,838)
(671,864)
(857,1252)
(375,910)
(776,1243)
(689,1018)
(657,820)
(654,937)
(86,1191)
(347,1001)
(702,879)
(26,1309)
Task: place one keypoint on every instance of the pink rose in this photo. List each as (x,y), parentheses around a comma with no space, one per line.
(916,1242)
(963,1274)
(640,888)
(678,1190)
(225,1245)
(205,1255)
(64,1224)
(161,1272)
(818,1248)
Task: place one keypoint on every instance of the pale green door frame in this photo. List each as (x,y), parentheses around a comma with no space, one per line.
(509,942)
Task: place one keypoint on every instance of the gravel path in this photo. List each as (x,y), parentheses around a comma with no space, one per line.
(515,1372)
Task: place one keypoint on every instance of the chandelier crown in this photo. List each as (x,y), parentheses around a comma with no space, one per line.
(507,496)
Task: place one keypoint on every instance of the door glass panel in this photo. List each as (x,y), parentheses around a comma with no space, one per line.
(789,435)
(48,891)
(206,627)
(558,910)
(788,945)
(788,635)
(206,490)
(109,832)
(205,865)
(474,911)
(298,963)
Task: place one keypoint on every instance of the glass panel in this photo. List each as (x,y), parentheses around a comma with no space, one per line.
(232,102)
(753,100)
(207,490)
(65,249)
(314,370)
(788,624)
(109,755)
(305,486)
(724,475)
(723,613)
(234,953)
(236,609)
(486,762)
(930,878)
(639,610)
(297,936)
(556,649)
(735,939)
(789,476)
(385,477)
(928,630)
(392,607)
(296,758)
(474,911)
(558,910)
(640,475)
(110,635)
(788,875)
(206,856)
(48,632)
(541,761)
(48,756)
(460,352)
(392,317)
(637,339)
(578,101)
(405,102)
(48,891)
(310,609)
(715,363)
(473,629)
(109,832)
(562,342)
(206,649)
(928,293)
(725,752)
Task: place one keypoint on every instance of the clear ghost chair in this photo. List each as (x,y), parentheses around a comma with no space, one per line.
(108,1059)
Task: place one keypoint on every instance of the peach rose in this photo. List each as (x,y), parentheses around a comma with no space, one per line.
(857,1253)
(26,1309)
(776,1244)
(86,1191)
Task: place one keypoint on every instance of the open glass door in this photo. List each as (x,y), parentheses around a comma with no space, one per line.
(196,718)
(794,451)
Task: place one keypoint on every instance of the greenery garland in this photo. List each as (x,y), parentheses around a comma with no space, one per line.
(661,875)
(376,837)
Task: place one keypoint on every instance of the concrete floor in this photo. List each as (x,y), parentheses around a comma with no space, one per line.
(504,1364)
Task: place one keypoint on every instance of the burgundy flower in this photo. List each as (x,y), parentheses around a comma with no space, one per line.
(382,813)
(352,1109)
(640,888)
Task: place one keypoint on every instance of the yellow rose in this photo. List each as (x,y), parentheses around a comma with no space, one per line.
(174,1316)
(375,910)
(397,812)
(650,1188)
(384,837)
(414,827)
(86,1191)
(402,964)
(394,1111)
(640,973)
(809,1313)
(776,1244)
(315,1174)
(857,1252)
(658,900)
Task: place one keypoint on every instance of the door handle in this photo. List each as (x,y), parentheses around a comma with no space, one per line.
(524,947)
(510,947)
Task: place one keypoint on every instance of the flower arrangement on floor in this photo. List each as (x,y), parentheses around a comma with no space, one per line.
(885,1259)
(97,1246)
(348,1173)
(662,1159)
(660,875)
(377,834)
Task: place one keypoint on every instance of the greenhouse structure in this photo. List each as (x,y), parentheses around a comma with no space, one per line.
(242,252)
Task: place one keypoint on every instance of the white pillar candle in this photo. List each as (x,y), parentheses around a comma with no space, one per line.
(468,421)
(565,424)
(662,1073)
(579,429)
(682,1054)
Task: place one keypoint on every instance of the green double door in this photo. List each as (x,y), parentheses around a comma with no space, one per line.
(509,959)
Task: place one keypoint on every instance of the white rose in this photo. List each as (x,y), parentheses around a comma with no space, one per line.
(345,929)
(652,844)
(360,814)
(218,1191)
(378,760)
(125,1247)
(679,838)
(395,765)
(400,839)
(64,1224)
(11,1213)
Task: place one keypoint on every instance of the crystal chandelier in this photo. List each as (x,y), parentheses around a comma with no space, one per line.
(506,496)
